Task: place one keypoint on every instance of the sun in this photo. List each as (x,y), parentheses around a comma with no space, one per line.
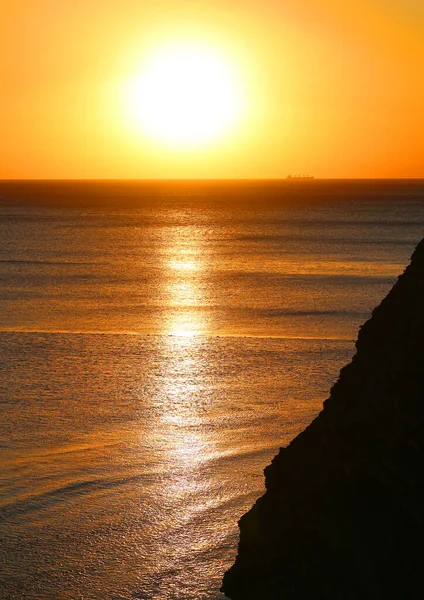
(185,94)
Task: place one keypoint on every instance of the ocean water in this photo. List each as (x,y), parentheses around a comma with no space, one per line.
(158,343)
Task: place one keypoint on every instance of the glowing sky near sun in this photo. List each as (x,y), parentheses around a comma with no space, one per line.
(327,88)
(185,95)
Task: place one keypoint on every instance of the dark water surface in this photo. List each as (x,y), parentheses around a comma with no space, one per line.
(158,343)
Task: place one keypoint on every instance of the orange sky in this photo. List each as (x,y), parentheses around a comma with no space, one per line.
(334,89)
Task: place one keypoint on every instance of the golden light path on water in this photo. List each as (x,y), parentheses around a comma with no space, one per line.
(183,266)
(185,261)
(186,444)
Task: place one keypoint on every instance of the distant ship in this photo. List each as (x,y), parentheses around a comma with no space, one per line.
(297,177)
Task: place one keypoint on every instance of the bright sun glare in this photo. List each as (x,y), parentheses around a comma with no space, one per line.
(185,94)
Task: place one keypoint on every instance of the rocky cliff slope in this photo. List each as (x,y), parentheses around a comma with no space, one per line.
(343,514)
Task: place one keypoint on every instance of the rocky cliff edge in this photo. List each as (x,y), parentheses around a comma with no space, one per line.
(343,514)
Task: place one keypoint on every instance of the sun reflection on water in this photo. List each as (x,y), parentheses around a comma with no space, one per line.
(188,448)
(182,264)
(185,326)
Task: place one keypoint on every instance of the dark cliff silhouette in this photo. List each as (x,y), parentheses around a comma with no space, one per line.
(343,514)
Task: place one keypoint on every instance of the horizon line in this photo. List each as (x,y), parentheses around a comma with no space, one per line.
(202,179)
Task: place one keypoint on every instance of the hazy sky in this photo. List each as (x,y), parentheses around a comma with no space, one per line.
(332,89)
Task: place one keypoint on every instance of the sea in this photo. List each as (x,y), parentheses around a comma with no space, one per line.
(159,342)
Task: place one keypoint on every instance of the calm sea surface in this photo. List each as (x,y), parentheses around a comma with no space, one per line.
(158,343)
